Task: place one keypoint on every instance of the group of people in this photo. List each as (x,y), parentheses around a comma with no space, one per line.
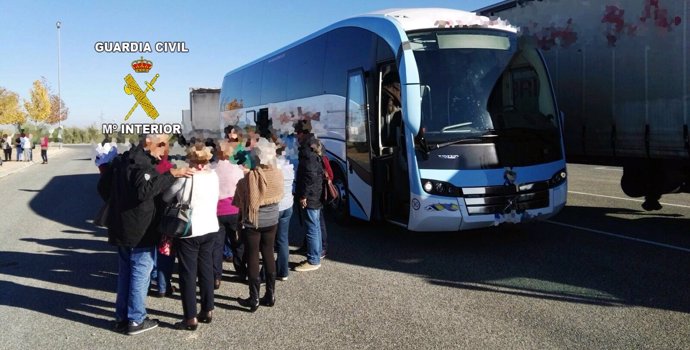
(241,191)
(24,146)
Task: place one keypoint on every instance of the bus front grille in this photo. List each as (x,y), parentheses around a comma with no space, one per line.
(504,199)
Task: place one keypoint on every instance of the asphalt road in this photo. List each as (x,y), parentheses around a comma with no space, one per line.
(602,274)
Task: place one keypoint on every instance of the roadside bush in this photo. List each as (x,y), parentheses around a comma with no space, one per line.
(72,135)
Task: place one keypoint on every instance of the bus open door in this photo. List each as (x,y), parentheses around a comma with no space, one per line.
(359,176)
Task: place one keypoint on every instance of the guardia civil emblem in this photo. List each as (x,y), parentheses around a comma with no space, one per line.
(132,88)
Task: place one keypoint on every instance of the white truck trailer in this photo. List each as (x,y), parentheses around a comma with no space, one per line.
(620,70)
(204,114)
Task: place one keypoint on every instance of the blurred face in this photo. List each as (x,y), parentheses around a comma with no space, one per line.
(157,145)
(301,136)
(219,154)
(252,137)
(224,150)
(233,136)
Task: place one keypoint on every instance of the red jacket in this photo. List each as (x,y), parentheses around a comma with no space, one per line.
(327,167)
(164,165)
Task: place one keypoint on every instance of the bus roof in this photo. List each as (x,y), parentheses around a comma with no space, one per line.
(391,25)
(427,18)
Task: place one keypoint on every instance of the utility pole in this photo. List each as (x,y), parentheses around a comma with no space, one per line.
(58,25)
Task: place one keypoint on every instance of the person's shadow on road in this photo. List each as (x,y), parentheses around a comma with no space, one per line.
(69,200)
(69,306)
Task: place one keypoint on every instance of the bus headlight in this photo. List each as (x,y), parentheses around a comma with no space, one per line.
(441,188)
(558,178)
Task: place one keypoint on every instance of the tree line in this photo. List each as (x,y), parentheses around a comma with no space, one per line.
(43,107)
(70,135)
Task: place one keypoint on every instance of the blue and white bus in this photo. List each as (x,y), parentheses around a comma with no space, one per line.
(433,119)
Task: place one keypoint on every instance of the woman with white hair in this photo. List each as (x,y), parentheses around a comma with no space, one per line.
(257,196)
(195,252)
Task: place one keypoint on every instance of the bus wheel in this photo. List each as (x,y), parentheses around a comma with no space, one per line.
(340,207)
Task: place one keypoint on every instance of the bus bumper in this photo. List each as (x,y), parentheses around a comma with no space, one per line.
(444,214)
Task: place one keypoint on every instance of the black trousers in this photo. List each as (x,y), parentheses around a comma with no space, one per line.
(44,155)
(8,154)
(229,231)
(196,254)
(218,245)
(255,240)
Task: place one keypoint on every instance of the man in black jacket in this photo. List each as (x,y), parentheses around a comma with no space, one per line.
(130,186)
(308,190)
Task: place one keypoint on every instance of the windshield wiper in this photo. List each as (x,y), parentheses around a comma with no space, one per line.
(456,141)
(456,126)
(486,135)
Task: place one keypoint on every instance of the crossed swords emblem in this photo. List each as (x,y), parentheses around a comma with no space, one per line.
(132,88)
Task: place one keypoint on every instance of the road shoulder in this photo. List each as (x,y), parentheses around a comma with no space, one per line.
(11,167)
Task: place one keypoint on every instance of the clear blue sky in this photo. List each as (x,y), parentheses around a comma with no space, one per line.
(220,36)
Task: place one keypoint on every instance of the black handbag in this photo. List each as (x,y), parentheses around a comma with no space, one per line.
(176,221)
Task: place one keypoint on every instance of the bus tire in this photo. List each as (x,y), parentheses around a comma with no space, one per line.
(339,208)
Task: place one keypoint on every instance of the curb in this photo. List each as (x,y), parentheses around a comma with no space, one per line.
(24,166)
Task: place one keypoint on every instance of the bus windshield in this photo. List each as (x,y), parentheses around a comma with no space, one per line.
(477,82)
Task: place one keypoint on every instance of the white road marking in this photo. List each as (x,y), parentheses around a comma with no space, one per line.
(627,199)
(620,236)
